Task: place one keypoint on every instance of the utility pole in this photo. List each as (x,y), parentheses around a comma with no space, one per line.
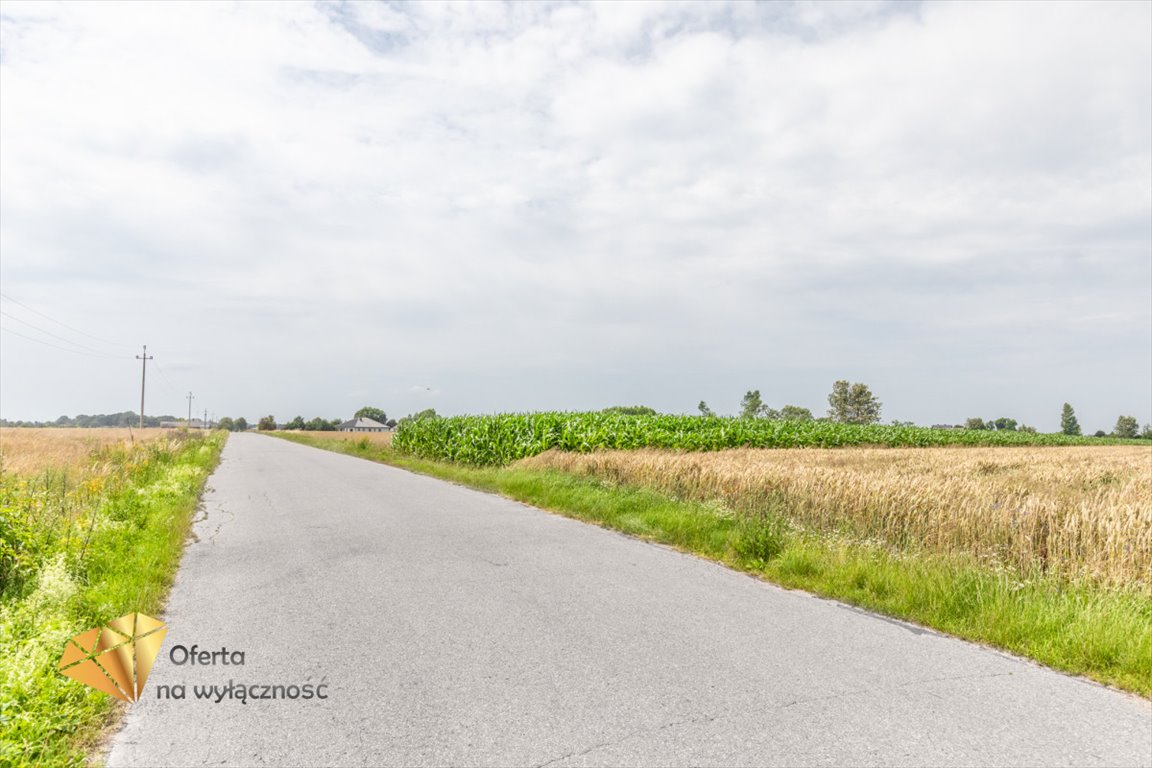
(143,374)
(205,419)
(188,425)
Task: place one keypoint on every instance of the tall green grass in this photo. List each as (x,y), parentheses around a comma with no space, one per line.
(76,555)
(504,438)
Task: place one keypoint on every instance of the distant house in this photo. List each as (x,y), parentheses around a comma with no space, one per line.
(363,424)
(182,423)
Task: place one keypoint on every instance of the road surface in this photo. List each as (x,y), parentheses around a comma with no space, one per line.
(451,627)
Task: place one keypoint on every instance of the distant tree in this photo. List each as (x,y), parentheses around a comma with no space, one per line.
(1126,426)
(227,423)
(898,423)
(368,412)
(391,424)
(1146,434)
(1028,429)
(795,413)
(1099,433)
(296,423)
(853,404)
(1068,423)
(751,406)
(240,425)
(427,413)
(631,410)
(1005,424)
(975,423)
(318,425)
(705,410)
(266,423)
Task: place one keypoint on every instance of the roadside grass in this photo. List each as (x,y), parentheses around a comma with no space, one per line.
(1075,626)
(76,556)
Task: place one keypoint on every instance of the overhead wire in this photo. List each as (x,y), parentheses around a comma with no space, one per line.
(81,349)
(64,349)
(65,325)
(164,376)
(91,350)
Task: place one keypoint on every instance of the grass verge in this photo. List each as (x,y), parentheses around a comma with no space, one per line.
(1104,634)
(76,559)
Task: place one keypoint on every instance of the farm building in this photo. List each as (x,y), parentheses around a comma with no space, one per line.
(181,423)
(363,424)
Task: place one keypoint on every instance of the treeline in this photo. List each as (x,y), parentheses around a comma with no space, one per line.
(1126,427)
(124,419)
(268,423)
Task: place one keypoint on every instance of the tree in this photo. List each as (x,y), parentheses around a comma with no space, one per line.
(853,404)
(1005,424)
(296,423)
(975,423)
(1068,423)
(1147,433)
(1099,433)
(267,423)
(319,425)
(368,412)
(752,405)
(227,423)
(795,413)
(1028,429)
(705,410)
(427,413)
(1126,426)
(240,425)
(631,410)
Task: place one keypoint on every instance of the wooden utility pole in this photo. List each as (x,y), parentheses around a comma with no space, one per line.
(205,419)
(188,425)
(143,375)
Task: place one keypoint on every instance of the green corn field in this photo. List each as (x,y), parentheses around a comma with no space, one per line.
(504,438)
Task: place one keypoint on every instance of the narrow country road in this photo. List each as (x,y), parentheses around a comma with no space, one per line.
(451,627)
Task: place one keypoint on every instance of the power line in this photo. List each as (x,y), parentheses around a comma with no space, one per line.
(55,346)
(167,381)
(65,325)
(61,338)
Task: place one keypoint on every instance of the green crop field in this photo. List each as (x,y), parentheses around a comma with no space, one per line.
(504,438)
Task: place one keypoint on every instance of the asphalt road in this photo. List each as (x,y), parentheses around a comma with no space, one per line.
(457,628)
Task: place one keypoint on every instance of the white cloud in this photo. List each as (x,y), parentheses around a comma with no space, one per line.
(573,205)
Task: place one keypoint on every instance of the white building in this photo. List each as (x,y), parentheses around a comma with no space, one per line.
(363,424)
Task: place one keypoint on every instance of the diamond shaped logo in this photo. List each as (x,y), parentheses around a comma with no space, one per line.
(115,659)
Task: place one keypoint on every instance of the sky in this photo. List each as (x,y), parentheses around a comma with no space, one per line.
(304,208)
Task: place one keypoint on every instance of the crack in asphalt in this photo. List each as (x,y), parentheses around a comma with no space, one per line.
(203,518)
(628,737)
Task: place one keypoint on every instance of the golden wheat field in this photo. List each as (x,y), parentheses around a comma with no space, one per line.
(26,451)
(1080,512)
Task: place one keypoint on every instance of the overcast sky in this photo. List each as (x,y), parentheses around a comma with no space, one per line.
(306,208)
